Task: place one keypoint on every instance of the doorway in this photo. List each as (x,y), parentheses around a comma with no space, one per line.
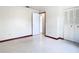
(39,23)
(36,23)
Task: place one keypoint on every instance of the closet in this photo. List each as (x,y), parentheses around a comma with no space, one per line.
(71,24)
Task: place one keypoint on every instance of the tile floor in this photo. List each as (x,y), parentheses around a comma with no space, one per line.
(38,44)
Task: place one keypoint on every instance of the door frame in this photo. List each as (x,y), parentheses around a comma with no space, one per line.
(44,21)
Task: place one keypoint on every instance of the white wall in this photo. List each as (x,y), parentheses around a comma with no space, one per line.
(55,20)
(51,21)
(15,22)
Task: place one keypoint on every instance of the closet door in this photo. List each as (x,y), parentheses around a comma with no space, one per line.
(66,22)
(76,25)
(69,25)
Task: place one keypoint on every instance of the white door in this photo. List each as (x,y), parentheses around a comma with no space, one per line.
(66,29)
(76,24)
(69,25)
(36,23)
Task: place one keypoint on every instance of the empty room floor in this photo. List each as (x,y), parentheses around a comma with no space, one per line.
(38,44)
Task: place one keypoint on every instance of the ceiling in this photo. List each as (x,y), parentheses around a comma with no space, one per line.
(40,8)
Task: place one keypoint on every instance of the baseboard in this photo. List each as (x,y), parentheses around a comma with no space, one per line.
(51,37)
(15,38)
(54,37)
(60,38)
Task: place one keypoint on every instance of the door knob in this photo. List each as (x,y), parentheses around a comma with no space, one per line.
(77,26)
(71,26)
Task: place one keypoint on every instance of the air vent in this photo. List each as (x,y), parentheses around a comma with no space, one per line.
(28,6)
